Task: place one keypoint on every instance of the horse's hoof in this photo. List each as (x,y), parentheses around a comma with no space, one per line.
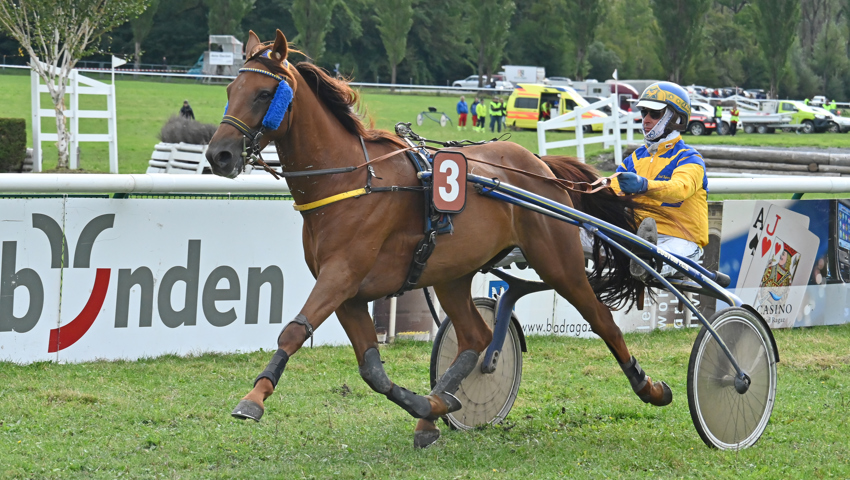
(425,438)
(667,398)
(248,409)
(666,394)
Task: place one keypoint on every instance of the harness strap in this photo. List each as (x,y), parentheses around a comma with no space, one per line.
(331,199)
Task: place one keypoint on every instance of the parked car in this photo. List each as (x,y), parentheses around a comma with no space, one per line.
(701,124)
(472,82)
(757,93)
(836,124)
(559,81)
(819,100)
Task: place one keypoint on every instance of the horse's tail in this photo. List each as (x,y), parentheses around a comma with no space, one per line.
(610,278)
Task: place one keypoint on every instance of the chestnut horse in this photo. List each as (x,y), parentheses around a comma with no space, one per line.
(360,249)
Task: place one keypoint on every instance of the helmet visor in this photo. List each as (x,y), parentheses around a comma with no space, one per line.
(651,105)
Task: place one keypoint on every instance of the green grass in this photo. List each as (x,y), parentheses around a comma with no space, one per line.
(144,106)
(575,417)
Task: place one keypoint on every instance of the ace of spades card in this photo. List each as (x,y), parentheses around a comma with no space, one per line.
(779,255)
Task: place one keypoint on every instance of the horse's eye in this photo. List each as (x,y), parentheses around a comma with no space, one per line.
(264,96)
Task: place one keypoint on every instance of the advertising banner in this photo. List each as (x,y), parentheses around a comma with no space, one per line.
(94,278)
(781,257)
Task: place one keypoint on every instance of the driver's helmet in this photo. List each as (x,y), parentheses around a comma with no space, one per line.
(668,94)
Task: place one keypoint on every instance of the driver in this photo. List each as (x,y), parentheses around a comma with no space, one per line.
(670,175)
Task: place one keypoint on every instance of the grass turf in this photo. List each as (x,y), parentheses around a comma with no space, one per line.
(575,417)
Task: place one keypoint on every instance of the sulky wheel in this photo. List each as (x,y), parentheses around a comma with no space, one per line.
(444,120)
(486,398)
(419,119)
(723,417)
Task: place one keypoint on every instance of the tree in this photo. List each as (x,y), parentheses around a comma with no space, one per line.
(56,34)
(394,18)
(490,32)
(680,31)
(829,60)
(312,18)
(582,17)
(776,28)
(225,16)
(141,27)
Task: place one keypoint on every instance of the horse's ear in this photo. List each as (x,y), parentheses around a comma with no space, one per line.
(280,50)
(253,41)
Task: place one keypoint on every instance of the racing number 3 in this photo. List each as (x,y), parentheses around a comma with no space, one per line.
(449,182)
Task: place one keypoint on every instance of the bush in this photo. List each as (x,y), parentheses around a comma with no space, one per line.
(186,130)
(13,144)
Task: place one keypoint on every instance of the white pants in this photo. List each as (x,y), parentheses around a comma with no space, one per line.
(675,245)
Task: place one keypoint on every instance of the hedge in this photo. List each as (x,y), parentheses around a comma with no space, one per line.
(13,144)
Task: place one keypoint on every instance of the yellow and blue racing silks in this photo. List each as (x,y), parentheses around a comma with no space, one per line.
(677,183)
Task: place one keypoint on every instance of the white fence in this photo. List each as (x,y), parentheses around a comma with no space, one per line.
(78,85)
(191,158)
(612,128)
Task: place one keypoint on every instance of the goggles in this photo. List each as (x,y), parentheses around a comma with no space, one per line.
(653,114)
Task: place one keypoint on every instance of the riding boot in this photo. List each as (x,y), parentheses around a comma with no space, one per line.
(649,232)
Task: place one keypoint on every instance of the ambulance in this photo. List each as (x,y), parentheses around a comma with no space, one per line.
(525,105)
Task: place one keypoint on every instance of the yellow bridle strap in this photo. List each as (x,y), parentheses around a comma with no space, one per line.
(329,200)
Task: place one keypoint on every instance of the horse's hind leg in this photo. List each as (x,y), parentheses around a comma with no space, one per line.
(559,264)
(354,317)
(473,336)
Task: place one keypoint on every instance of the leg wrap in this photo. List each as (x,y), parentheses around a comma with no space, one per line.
(416,405)
(635,374)
(373,373)
(275,367)
(460,369)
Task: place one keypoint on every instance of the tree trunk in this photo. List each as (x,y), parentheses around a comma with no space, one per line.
(394,71)
(64,139)
(579,60)
(138,55)
(481,65)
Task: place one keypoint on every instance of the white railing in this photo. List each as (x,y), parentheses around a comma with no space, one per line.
(164,183)
(612,127)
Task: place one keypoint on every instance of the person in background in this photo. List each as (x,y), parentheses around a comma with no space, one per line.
(481,110)
(462,111)
(186,110)
(718,118)
(669,174)
(806,101)
(473,109)
(495,113)
(733,120)
(545,111)
(832,107)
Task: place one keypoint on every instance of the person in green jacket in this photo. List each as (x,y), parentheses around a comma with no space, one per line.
(718,118)
(733,121)
(832,107)
(495,113)
(481,111)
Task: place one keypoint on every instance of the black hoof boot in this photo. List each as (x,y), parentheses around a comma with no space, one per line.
(247,409)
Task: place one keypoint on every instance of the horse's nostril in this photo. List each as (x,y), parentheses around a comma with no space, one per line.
(223,158)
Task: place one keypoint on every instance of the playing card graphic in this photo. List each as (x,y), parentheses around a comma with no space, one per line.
(780,246)
(767,218)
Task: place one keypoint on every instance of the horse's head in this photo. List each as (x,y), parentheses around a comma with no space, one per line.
(257,102)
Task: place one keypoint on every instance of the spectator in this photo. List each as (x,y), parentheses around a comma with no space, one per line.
(495,114)
(186,111)
(473,109)
(462,111)
(832,107)
(733,120)
(718,118)
(481,111)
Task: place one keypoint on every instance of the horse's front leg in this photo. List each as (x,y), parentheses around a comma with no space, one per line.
(333,287)
(473,336)
(355,319)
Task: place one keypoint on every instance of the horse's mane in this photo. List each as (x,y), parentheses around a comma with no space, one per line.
(340,98)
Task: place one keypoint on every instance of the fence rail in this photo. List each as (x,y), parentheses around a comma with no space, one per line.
(210,184)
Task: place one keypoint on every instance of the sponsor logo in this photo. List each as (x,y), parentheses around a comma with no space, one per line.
(206,292)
